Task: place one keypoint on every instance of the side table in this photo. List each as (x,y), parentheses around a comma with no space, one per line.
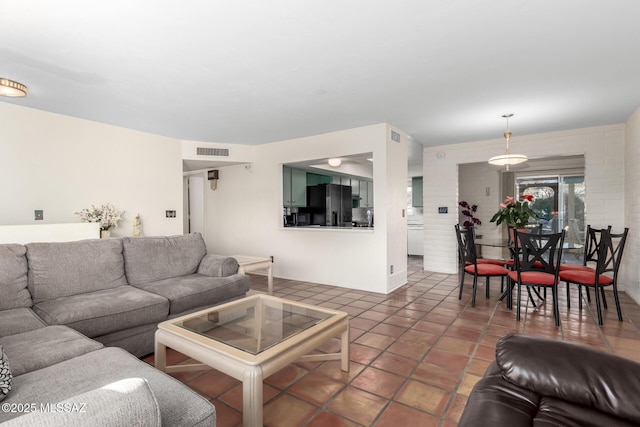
(249,263)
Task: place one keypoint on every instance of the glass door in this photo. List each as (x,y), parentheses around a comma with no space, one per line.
(559,203)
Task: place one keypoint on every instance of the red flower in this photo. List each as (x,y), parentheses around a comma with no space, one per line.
(527,197)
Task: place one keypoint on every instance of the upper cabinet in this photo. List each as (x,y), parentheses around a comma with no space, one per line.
(294,187)
(366,194)
(416,191)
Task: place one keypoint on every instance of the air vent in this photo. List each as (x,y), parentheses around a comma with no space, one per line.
(223,152)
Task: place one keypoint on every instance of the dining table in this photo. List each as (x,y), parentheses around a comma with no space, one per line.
(496,242)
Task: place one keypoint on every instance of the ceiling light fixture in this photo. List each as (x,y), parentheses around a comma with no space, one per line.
(507,158)
(12,89)
(335,162)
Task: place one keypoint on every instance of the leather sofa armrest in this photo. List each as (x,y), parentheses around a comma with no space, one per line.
(496,402)
(571,372)
(218,266)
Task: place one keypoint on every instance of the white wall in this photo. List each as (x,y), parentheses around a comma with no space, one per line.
(244,215)
(603,148)
(630,274)
(395,193)
(62,164)
(473,180)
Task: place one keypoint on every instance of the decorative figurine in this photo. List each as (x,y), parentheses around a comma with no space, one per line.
(137,224)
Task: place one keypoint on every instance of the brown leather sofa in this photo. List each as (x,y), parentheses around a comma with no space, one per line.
(544,382)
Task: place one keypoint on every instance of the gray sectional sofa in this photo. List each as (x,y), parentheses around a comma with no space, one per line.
(64,305)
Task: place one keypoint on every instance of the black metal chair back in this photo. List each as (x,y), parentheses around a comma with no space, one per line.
(466,245)
(539,252)
(610,252)
(592,244)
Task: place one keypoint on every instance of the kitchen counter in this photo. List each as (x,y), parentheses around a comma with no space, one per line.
(329,228)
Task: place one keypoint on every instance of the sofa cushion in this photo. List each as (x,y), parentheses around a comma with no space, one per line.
(148,259)
(102,312)
(63,269)
(5,375)
(13,277)
(196,290)
(179,405)
(44,347)
(19,320)
(128,402)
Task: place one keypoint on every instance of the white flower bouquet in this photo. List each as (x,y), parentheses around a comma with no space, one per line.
(106,215)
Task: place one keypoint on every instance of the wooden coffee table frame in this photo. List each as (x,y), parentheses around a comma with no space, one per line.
(243,366)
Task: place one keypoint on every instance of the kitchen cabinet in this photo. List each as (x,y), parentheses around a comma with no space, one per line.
(355,187)
(366,194)
(317,179)
(416,192)
(415,240)
(294,187)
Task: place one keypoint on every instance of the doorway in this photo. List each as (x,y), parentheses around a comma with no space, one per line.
(195,216)
(559,201)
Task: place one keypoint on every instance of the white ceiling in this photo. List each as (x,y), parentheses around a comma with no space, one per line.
(256,71)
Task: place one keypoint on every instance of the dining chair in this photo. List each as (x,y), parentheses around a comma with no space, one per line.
(590,255)
(610,250)
(471,264)
(510,264)
(537,265)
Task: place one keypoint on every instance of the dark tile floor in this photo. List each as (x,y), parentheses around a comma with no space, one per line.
(415,354)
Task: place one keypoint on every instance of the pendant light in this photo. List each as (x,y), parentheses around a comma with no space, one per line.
(507,158)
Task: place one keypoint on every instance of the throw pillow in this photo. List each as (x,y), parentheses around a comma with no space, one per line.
(5,375)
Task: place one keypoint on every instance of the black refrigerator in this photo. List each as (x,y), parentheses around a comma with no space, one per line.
(330,204)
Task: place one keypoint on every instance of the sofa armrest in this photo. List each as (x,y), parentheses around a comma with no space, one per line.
(496,402)
(218,266)
(571,372)
(127,402)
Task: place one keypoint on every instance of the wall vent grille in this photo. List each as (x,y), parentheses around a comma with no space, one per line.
(203,151)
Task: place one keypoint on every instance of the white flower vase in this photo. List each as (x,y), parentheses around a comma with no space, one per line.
(105,234)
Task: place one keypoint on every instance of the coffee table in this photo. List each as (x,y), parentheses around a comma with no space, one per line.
(250,339)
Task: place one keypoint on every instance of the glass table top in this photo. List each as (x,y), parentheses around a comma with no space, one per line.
(255,324)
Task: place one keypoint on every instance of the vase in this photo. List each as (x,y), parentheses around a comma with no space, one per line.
(512,235)
(105,234)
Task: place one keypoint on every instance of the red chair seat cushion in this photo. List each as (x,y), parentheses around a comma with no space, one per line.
(489,261)
(486,261)
(584,277)
(487,270)
(576,267)
(536,264)
(534,278)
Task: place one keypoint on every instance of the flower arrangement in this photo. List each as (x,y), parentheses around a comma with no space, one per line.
(515,213)
(106,215)
(468,211)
